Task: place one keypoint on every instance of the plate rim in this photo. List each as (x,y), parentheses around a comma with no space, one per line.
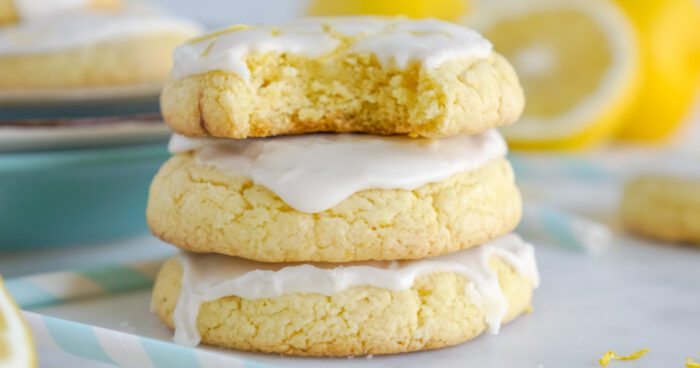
(14,97)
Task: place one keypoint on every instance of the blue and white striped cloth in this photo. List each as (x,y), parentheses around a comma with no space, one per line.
(102,344)
(123,349)
(58,287)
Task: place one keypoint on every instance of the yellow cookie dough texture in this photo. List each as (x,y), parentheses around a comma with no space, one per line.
(293,94)
(437,311)
(663,208)
(199,208)
(9,13)
(134,60)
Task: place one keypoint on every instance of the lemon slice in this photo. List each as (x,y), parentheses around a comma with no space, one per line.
(443,9)
(670,45)
(16,346)
(577,62)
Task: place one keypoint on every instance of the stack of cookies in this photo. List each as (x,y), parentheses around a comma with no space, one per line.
(337,188)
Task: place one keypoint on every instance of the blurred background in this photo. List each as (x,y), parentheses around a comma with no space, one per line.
(611,88)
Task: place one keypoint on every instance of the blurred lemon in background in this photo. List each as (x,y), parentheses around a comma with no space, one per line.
(577,62)
(669,34)
(16,346)
(442,9)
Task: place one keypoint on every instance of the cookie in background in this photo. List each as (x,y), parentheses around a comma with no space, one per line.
(12,11)
(88,48)
(661,207)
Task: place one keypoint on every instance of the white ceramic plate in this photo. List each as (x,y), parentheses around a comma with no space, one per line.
(90,133)
(79,95)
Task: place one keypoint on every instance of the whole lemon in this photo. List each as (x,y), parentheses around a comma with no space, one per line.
(669,42)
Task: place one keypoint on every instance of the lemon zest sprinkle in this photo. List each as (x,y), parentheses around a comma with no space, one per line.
(207,49)
(611,355)
(690,363)
(218,33)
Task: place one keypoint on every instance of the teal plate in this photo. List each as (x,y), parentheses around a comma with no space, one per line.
(70,197)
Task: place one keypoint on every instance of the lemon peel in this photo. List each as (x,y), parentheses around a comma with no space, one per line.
(690,363)
(611,355)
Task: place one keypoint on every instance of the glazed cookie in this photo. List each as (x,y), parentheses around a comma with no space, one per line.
(663,208)
(14,10)
(335,198)
(350,74)
(356,309)
(89,49)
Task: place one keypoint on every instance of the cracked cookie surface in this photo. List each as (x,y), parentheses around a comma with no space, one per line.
(292,94)
(200,208)
(438,311)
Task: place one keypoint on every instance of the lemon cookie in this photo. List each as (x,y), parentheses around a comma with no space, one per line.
(664,208)
(334,197)
(350,74)
(15,10)
(353,309)
(87,49)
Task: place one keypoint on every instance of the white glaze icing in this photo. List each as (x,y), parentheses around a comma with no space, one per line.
(35,9)
(79,28)
(314,172)
(208,277)
(393,40)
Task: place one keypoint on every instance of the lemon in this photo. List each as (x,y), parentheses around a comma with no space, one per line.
(577,62)
(16,346)
(669,33)
(443,9)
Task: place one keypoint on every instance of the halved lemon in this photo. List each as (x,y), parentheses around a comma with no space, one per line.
(670,45)
(443,9)
(16,345)
(578,64)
